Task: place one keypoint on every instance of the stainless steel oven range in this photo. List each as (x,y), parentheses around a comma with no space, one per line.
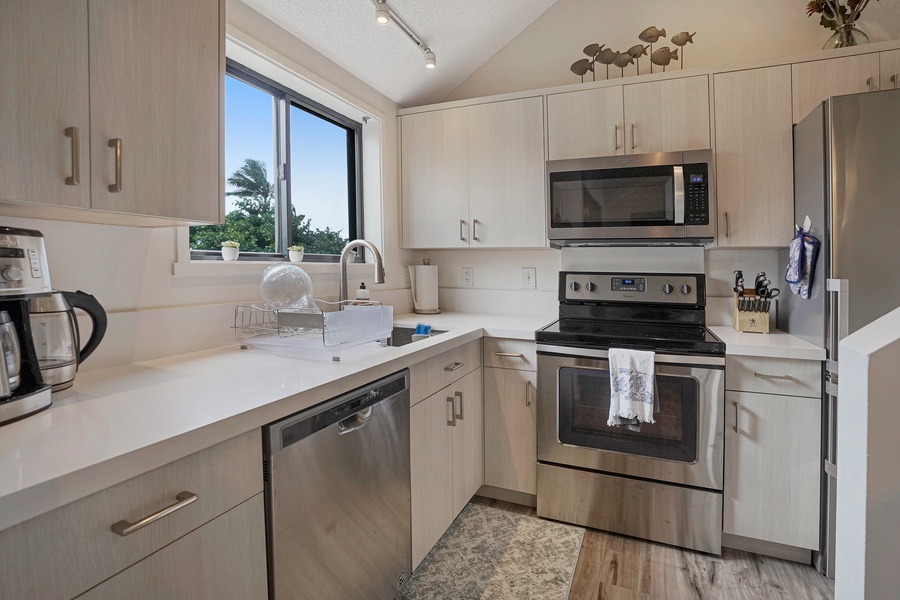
(660,481)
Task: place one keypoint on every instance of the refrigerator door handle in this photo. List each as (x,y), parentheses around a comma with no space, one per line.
(838,324)
(831,469)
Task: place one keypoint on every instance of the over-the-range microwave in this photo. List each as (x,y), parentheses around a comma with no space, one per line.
(662,198)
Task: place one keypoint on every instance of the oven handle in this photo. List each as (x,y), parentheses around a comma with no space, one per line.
(675,359)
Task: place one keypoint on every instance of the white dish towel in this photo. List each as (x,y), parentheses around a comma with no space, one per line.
(632,386)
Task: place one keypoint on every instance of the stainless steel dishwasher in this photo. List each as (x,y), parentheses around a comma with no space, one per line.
(337,496)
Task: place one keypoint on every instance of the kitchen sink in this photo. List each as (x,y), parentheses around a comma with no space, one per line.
(401,336)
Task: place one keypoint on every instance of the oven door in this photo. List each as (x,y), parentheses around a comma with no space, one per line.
(685,445)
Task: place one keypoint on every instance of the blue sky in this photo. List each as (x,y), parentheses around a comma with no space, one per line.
(318,153)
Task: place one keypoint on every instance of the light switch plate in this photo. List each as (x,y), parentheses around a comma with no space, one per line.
(529,278)
(468,277)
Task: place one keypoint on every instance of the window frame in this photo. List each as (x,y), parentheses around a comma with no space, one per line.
(284,99)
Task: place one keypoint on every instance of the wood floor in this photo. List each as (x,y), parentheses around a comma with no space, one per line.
(614,567)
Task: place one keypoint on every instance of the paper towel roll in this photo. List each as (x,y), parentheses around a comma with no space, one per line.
(424,283)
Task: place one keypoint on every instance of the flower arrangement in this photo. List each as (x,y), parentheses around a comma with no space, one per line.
(834,14)
(231,244)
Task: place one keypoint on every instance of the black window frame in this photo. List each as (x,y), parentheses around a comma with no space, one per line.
(285,98)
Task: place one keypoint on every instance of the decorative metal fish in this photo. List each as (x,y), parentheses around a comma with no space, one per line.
(580,67)
(651,34)
(605,57)
(622,60)
(637,51)
(663,57)
(680,39)
(593,49)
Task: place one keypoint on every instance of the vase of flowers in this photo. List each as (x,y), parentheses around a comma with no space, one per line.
(841,19)
(230,250)
(295,253)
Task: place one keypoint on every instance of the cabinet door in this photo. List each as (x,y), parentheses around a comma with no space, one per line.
(510,433)
(222,560)
(667,116)
(890,69)
(816,81)
(772,468)
(585,123)
(506,174)
(431,472)
(435,179)
(755,184)
(156,80)
(44,92)
(468,440)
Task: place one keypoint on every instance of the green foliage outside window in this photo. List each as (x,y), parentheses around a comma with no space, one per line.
(252,222)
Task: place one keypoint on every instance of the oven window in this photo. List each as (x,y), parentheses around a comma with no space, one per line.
(597,199)
(584,411)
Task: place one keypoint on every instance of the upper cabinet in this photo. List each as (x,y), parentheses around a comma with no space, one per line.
(890,69)
(472,177)
(754,173)
(656,116)
(815,81)
(117,107)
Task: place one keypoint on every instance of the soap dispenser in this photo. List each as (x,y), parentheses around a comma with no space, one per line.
(362,293)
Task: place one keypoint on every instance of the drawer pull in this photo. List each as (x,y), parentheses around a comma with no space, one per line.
(779,377)
(510,354)
(455,366)
(124,528)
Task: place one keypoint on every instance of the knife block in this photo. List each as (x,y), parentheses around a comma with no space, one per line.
(749,321)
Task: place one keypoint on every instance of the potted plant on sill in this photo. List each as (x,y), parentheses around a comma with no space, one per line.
(295,253)
(230,250)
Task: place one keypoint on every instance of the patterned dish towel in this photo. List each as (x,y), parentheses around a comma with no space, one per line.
(632,387)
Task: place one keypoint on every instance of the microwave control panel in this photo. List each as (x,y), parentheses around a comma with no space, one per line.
(608,287)
(696,200)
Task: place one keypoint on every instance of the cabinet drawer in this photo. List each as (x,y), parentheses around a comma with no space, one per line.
(510,354)
(429,376)
(71,549)
(787,377)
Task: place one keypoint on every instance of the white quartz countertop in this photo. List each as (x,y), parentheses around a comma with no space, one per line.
(116,423)
(775,344)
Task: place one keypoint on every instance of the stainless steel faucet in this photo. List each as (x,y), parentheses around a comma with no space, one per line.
(345,255)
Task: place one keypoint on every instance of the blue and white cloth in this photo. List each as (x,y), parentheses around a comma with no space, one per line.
(632,387)
(803,253)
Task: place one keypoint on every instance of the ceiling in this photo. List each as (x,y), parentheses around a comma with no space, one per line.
(463,34)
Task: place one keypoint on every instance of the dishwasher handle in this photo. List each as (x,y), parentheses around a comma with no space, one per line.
(354,422)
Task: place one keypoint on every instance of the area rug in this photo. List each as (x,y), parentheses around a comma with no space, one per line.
(489,553)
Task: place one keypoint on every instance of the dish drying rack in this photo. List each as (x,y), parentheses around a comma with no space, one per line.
(327,327)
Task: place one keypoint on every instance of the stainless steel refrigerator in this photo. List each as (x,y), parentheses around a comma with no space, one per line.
(847,180)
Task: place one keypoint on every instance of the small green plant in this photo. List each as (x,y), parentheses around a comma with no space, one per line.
(230,244)
(296,248)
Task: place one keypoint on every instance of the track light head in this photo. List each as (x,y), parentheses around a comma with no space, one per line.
(430,61)
(382,16)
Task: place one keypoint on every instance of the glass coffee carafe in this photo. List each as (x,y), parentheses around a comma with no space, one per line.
(9,342)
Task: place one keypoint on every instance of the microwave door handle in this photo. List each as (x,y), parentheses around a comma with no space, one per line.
(679,195)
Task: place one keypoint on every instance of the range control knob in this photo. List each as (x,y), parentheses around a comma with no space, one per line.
(574,286)
(668,289)
(685,289)
(11,273)
(590,286)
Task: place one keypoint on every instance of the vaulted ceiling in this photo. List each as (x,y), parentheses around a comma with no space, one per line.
(463,34)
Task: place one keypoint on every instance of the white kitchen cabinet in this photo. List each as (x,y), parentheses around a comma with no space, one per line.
(754,182)
(72,549)
(773,461)
(890,69)
(125,96)
(656,116)
(510,431)
(472,176)
(816,81)
(446,459)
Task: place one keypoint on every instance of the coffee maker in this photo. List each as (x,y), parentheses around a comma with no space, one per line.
(23,275)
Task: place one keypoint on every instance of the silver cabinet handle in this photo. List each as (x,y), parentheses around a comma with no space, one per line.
(737,413)
(869,83)
(462,236)
(510,354)
(124,528)
(632,136)
(616,136)
(75,178)
(454,367)
(779,377)
(894,80)
(117,144)
(452,420)
(475,230)
(528,387)
(727,226)
(459,415)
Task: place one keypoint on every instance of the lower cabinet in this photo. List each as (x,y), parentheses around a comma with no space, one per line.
(510,431)
(446,458)
(222,560)
(773,456)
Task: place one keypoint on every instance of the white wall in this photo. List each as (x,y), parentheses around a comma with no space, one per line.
(727,32)
(868,459)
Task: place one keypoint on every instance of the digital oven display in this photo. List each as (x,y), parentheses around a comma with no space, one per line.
(629,284)
(696,178)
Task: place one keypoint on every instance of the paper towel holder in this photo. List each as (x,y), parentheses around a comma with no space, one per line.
(416,308)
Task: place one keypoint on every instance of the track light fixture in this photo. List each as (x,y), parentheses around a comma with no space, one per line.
(383,14)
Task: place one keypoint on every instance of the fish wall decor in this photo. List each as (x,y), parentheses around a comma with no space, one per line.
(600,53)
(663,56)
(622,60)
(680,39)
(636,52)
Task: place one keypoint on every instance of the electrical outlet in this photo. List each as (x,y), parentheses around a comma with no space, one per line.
(529,278)
(468,277)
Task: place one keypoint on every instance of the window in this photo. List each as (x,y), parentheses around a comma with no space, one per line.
(292,174)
